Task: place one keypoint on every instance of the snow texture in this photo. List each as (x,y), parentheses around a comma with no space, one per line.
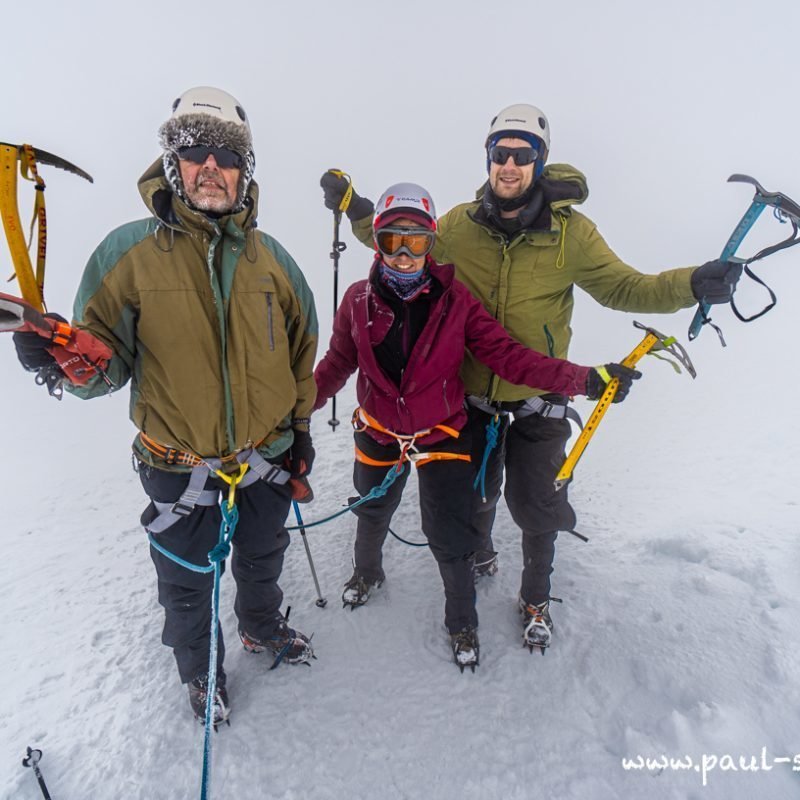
(677,636)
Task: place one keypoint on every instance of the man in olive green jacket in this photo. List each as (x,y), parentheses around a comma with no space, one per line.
(215,327)
(521,247)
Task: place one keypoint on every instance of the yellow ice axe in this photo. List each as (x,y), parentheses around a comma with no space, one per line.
(653,340)
(31,284)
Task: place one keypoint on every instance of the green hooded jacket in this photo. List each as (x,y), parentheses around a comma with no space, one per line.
(212,322)
(527,282)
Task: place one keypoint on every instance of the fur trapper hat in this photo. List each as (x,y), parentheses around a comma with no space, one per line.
(209,117)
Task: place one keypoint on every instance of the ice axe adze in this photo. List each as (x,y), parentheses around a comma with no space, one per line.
(653,341)
(784,209)
(31,284)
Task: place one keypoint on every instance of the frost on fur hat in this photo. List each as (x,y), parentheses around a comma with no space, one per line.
(207,117)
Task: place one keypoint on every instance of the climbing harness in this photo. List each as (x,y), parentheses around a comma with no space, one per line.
(652,341)
(784,209)
(533,405)
(406,442)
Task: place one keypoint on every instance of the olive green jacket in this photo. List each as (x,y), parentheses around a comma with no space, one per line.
(527,283)
(211,321)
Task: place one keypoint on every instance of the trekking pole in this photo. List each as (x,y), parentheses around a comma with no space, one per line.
(653,340)
(32,760)
(321,601)
(337,247)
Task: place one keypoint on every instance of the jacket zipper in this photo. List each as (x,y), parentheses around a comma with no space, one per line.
(550,342)
(269,321)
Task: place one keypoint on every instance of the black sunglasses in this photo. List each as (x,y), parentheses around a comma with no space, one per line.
(521,155)
(198,155)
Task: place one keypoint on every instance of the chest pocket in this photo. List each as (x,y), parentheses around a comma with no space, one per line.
(256,320)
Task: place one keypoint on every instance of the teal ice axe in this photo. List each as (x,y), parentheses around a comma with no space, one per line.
(784,209)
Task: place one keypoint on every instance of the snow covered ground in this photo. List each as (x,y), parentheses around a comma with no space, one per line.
(678,636)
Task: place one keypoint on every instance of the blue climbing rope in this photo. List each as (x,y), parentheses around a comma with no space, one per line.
(230,516)
(376,491)
(492,435)
(217,556)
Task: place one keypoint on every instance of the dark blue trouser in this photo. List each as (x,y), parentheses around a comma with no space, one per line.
(259,542)
(532,451)
(446,505)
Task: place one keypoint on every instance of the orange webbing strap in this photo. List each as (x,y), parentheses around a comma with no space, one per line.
(169,455)
(172,455)
(408,450)
(370,422)
(28,164)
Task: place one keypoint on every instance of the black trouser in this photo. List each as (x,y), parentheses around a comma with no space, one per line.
(259,542)
(532,450)
(447,502)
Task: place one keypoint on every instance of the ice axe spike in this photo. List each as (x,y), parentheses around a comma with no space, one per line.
(652,341)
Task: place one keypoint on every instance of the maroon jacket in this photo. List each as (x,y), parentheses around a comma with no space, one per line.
(431,392)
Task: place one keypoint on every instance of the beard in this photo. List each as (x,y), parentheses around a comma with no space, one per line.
(209,193)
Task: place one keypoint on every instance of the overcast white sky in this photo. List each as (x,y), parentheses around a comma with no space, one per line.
(656,102)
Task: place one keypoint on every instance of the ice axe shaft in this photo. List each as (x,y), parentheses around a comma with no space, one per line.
(653,340)
(785,209)
(31,283)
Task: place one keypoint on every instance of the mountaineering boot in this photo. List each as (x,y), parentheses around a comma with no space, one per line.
(466,649)
(485,565)
(198,692)
(356,591)
(285,643)
(538,624)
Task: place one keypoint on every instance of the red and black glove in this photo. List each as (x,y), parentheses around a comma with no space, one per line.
(300,459)
(32,347)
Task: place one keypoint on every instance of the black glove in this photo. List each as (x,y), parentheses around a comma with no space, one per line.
(596,381)
(334,188)
(715,281)
(31,346)
(301,454)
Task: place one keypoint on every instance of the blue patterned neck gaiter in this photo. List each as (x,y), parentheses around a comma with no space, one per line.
(406,285)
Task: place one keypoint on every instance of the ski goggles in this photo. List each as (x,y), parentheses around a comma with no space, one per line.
(414,242)
(225,158)
(522,155)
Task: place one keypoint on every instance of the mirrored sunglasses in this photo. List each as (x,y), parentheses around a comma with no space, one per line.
(521,155)
(414,242)
(198,155)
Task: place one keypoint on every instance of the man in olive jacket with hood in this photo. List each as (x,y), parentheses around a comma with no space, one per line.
(521,248)
(214,326)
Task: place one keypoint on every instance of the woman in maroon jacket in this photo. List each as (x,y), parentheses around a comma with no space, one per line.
(405,329)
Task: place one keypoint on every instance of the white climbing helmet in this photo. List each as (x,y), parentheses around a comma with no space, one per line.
(405,199)
(520,118)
